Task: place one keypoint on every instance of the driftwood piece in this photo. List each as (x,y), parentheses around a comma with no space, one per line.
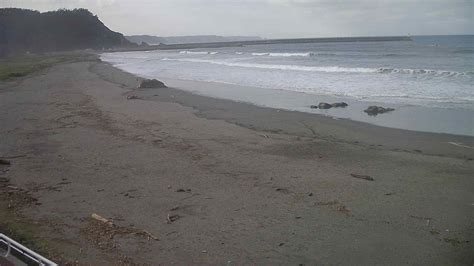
(99,218)
(4,162)
(172,218)
(123,230)
(366,177)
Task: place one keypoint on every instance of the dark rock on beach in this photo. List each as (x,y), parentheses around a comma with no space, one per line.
(325,106)
(375,110)
(341,104)
(152,83)
(132,97)
(329,106)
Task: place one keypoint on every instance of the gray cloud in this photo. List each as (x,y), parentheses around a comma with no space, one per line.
(274,18)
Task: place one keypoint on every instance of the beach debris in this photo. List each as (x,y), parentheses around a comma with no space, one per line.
(460,145)
(147,234)
(283,190)
(112,229)
(375,110)
(13,156)
(427,219)
(366,177)
(183,190)
(172,218)
(152,83)
(4,162)
(310,194)
(132,97)
(420,217)
(335,205)
(455,241)
(328,105)
(99,218)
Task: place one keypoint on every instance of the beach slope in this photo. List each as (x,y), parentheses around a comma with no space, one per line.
(189,179)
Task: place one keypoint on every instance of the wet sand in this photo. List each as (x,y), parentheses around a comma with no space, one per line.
(224,182)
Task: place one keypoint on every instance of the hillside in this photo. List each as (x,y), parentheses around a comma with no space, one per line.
(152,40)
(24,30)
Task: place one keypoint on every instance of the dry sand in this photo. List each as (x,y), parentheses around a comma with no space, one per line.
(220,182)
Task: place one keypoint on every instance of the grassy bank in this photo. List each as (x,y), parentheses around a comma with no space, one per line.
(23,65)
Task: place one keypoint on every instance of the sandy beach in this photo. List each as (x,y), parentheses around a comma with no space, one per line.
(195,180)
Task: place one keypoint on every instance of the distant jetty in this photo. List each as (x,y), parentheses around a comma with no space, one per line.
(263,42)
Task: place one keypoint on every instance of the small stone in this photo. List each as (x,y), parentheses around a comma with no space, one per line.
(325,106)
(4,162)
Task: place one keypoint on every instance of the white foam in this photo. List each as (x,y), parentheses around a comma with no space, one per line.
(198,53)
(284,54)
(291,54)
(422,72)
(281,67)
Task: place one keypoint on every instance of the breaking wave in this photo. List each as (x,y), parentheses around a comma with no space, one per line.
(284,54)
(423,72)
(280,67)
(341,54)
(328,68)
(198,53)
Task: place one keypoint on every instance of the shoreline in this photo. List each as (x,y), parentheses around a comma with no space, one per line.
(283,121)
(437,120)
(244,184)
(456,119)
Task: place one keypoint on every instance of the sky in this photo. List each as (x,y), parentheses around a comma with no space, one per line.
(273,18)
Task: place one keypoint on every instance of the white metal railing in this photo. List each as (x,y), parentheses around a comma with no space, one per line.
(15,247)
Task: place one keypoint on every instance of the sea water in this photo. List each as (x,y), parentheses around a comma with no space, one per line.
(435,73)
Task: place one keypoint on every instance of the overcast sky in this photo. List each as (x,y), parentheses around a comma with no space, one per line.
(274,18)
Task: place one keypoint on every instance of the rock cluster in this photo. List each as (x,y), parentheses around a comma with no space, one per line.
(371,110)
(152,83)
(328,105)
(375,110)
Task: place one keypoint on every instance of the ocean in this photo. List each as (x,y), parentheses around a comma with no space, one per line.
(429,74)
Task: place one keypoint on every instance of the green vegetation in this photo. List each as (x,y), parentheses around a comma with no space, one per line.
(23,31)
(19,66)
